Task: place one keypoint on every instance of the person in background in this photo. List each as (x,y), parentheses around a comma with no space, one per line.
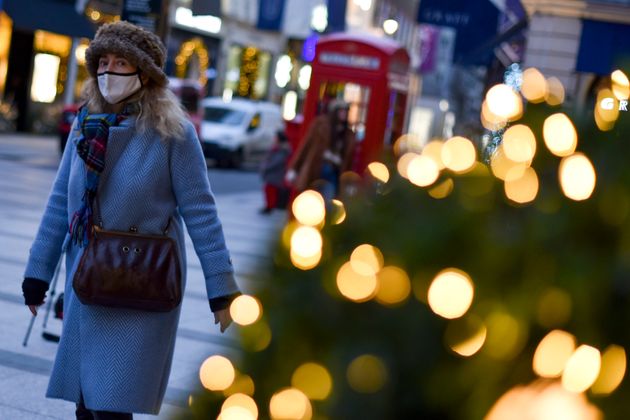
(133,162)
(325,153)
(272,171)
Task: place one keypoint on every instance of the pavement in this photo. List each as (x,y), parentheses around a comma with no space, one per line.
(27,169)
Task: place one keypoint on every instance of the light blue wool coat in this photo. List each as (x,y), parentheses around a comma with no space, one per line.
(120,359)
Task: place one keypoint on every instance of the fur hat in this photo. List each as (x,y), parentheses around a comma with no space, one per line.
(141,47)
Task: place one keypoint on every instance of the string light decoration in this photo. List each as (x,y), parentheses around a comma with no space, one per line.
(184,58)
(455,291)
(250,61)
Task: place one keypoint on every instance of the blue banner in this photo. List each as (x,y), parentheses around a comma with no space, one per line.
(476,23)
(270,14)
(602,47)
(336,16)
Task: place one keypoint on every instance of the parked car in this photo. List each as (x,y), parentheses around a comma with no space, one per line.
(239,130)
(68,114)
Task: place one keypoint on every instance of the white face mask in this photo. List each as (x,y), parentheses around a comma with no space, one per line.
(116,87)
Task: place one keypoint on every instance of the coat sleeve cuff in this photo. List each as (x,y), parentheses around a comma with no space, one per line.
(222,302)
(34,291)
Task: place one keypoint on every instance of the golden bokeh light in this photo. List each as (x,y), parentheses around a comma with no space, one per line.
(407,143)
(459,154)
(422,170)
(314,380)
(306,241)
(500,164)
(433,149)
(504,102)
(451,293)
(403,164)
(534,87)
(290,404)
(577,177)
(242,401)
(338,212)
(243,384)
(489,120)
(354,286)
(560,135)
(506,335)
(379,171)
(555,92)
(606,110)
(309,208)
(552,354)
(601,123)
(620,85)
(519,143)
(287,233)
(216,373)
(305,262)
(582,369)
(443,189)
(367,374)
(612,371)
(521,185)
(543,400)
(466,336)
(245,310)
(236,412)
(366,259)
(394,286)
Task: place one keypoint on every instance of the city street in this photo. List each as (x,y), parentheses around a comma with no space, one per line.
(27,169)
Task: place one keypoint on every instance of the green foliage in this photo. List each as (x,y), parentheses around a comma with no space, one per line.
(518,256)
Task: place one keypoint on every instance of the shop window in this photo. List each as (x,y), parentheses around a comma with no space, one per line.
(45,74)
(247,72)
(5,41)
(192,61)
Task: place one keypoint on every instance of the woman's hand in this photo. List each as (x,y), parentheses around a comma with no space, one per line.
(223,317)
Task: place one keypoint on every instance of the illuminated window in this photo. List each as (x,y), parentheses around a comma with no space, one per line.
(45,73)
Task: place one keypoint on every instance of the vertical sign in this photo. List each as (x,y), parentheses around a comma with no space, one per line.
(270,13)
(336,16)
(145,13)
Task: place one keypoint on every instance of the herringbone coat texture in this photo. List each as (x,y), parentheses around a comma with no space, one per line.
(120,359)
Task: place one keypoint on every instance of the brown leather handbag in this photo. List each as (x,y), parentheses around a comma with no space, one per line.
(129,270)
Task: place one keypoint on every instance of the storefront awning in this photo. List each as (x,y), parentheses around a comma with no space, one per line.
(604,47)
(58,16)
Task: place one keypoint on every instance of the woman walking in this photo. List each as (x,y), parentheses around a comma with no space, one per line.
(132,163)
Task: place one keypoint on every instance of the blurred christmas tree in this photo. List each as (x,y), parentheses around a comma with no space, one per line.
(454,289)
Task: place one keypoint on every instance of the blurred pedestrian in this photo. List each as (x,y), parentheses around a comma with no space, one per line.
(273,171)
(133,164)
(325,153)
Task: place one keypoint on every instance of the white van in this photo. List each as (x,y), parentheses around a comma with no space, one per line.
(238,130)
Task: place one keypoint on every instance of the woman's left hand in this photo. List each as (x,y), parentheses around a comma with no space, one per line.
(223,317)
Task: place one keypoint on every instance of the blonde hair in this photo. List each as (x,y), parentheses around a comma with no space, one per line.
(159,108)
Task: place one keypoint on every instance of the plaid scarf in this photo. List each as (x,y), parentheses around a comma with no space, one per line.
(91,147)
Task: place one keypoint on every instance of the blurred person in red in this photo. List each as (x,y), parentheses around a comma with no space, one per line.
(272,171)
(325,153)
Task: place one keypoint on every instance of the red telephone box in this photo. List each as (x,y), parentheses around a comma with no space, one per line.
(371,75)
